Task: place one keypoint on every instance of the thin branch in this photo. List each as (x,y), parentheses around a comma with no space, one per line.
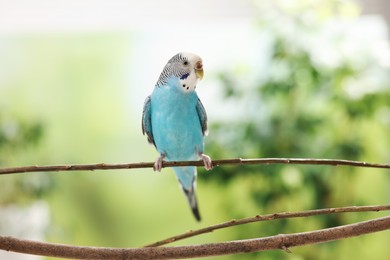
(232,247)
(235,161)
(267,217)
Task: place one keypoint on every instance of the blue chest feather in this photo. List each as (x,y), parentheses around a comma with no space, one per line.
(175,122)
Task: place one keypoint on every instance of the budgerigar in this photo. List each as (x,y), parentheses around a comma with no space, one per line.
(175,121)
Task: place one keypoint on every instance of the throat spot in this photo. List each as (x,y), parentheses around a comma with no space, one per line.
(185,76)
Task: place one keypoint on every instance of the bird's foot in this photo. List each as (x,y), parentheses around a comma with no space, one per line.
(208,164)
(158,163)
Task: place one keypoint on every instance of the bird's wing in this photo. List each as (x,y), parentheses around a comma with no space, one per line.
(202,116)
(147,121)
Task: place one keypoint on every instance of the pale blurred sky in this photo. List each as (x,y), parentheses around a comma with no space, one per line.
(220,31)
(91,15)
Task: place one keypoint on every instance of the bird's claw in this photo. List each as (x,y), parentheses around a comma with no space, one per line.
(158,163)
(208,164)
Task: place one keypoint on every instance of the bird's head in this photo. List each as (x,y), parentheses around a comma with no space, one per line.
(185,67)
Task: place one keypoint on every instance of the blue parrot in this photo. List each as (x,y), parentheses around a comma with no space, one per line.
(175,121)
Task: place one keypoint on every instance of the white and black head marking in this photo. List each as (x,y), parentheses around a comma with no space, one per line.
(187,67)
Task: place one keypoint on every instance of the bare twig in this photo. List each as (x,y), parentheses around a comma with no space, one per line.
(235,161)
(267,217)
(232,247)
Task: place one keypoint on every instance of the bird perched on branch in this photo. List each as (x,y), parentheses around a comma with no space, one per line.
(175,121)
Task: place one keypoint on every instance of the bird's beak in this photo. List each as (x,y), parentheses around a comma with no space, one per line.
(199,70)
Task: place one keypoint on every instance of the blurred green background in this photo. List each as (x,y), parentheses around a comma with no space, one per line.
(295,79)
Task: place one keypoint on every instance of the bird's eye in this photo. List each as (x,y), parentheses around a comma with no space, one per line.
(185,63)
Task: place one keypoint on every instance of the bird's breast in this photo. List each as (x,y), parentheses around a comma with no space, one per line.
(175,125)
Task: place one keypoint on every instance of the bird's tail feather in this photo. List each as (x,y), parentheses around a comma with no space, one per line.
(187,180)
(192,201)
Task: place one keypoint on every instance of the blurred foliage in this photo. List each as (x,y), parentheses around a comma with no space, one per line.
(18,134)
(311,100)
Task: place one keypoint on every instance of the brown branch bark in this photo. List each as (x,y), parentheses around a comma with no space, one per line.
(267,217)
(235,161)
(232,247)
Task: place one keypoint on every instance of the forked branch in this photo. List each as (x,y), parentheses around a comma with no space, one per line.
(267,217)
(232,247)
